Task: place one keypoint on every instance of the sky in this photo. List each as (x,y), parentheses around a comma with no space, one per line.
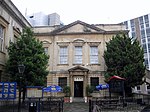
(89,11)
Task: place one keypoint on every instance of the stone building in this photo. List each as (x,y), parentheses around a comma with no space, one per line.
(11,24)
(76,53)
(76,50)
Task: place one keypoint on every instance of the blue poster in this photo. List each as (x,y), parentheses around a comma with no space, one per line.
(8,90)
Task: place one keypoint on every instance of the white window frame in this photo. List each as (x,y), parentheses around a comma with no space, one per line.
(94,55)
(63,55)
(78,55)
(1,37)
(46,50)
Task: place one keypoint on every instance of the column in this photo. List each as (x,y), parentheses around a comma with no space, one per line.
(71,85)
(85,83)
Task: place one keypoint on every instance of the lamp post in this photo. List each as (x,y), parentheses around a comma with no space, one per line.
(21,69)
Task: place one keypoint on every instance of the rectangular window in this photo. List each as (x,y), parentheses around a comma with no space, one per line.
(148,86)
(62,81)
(148,32)
(146,62)
(78,55)
(147,25)
(141,20)
(149,46)
(63,55)
(126,24)
(133,34)
(138,87)
(94,81)
(143,40)
(144,48)
(133,29)
(132,23)
(146,18)
(142,26)
(1,37)
(143,33)
(93,55)
(46,50)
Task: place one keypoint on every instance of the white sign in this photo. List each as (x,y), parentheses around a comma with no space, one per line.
(78,78)
(33,92)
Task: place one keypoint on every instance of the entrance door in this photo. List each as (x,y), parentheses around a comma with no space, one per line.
(78,88)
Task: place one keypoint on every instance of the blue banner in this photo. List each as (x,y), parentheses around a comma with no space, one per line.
(8,90)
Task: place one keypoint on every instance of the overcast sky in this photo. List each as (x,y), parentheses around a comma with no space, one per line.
(89,11)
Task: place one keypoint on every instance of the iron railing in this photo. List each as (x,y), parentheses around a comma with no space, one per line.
(48,104)
(135,103)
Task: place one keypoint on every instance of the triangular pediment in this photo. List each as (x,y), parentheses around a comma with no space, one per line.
(78,27)
(78,69)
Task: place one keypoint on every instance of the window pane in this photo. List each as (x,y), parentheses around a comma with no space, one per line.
(147,25)
(143,33)
(126,24)
(141,20)
(78,55)
(132,22)
(148,86)
(149,47)
(146,19)
(94,81)
(133,34)
(63,55)
(46,50)
(143,40)
(145,48)
(94,55)
(138,87)
(146,62)
(148,32)
(62,82)
(1,37)
(142,26)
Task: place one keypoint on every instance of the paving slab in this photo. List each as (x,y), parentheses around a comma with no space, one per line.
(76,107)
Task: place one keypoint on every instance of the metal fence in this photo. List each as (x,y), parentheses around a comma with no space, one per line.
(128,104)
(49,104)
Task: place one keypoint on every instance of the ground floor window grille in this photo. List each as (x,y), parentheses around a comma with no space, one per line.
(62,82)
(94,82)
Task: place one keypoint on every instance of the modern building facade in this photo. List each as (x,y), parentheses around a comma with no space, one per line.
(76,53)
(54,19)
(11,24)
(140,29)
(38,19)
(41,19)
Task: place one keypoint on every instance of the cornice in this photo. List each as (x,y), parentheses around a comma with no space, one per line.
(16,14)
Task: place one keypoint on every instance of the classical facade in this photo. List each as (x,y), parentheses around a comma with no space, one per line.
(76,53)
(75,50)
(11,24)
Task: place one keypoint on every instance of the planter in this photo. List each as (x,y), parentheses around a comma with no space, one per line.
(66,99)
(89,98)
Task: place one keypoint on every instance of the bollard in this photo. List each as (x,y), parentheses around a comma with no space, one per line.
(32,107)
(90,106)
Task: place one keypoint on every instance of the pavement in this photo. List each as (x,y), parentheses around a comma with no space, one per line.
(84,107)
(76,107)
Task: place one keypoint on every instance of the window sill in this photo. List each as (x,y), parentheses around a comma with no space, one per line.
(94,64)
(78,64)
(62,64)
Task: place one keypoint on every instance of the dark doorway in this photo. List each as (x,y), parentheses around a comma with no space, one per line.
(78,88)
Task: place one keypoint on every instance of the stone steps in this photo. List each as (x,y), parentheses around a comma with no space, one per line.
(78,99)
